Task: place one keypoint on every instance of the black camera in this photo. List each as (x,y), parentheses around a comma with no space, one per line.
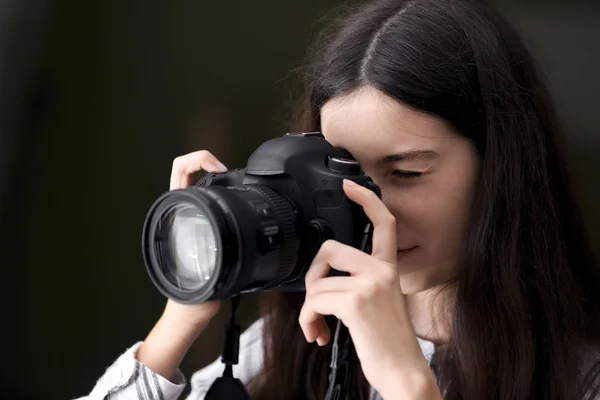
(254,228)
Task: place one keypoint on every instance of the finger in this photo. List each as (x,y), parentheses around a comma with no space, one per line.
(317,331)
(185,166)
(384,223)
(341,257)
(311,317)
(333,284)
(324,335)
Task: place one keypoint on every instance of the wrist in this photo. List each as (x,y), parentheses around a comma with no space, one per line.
(192,318)
(166,345)
(180,325)
(415,384)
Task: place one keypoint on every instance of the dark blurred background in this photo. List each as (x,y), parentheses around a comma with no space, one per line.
(98,97)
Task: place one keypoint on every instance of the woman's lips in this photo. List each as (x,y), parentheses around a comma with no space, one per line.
(406,251)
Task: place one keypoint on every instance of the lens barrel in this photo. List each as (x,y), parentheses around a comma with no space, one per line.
(207,243)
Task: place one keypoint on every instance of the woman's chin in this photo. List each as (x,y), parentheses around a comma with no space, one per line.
(413,276)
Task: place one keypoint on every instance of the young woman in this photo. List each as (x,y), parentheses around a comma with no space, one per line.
(481,284)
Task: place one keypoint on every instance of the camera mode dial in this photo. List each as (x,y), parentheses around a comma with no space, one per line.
(343,165)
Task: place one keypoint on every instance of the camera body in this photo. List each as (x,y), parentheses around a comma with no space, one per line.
(275,214)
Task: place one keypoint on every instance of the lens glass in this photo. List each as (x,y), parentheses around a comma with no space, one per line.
(190,244)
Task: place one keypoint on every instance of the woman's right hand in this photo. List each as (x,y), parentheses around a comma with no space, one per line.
(180,324)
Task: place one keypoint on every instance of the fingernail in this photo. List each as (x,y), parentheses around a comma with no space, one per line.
(219,165)
(305,337)
(320,341)
(350,183)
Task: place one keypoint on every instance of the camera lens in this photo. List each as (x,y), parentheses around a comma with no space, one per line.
(208,243)
(191,246)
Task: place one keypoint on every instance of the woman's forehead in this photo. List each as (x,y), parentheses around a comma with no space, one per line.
(371,123)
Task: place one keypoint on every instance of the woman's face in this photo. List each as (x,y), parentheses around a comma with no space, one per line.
(427,173)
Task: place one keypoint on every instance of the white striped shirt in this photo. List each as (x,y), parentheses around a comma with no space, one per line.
(128,379)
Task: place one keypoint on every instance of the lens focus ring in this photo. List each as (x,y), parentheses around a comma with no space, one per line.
(285,214)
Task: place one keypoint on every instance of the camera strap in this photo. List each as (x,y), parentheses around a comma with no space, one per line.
(338,375)
(342,342)
(231,388)
(227,386)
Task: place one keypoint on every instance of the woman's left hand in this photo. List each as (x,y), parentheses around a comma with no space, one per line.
(369,302)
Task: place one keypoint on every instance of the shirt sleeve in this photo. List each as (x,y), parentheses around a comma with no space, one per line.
(590,373)
(128,379)
(250,363)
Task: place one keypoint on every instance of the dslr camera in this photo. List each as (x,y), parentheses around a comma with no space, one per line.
(256,228)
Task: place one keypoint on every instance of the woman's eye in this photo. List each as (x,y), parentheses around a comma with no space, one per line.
(406,174)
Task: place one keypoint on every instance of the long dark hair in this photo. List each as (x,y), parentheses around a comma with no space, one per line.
(526,298)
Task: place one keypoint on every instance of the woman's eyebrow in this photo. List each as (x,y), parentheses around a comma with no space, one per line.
(409,155)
